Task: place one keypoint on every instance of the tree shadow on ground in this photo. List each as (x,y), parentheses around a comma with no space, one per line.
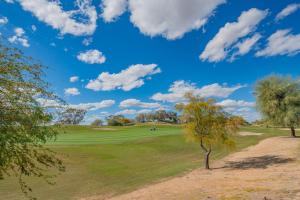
(261,162)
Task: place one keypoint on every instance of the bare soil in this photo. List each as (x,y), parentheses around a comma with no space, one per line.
(245,133)
(269,170)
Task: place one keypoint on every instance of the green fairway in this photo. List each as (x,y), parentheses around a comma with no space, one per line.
(120,159)
(82,135)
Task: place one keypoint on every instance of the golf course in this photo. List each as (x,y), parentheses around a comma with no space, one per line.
(109,161)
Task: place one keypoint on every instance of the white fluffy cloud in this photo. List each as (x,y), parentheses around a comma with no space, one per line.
(72,92)
(153,19)
(3,20)
(126,112)
(128,79)
(240,108)
(224,42)
(179,88)
(282,42)
(132,112)
(74,79)
(112,9)
(49,103)
(81,21)
(287,11)
(137,103)
(93,106)
(19,37)
(92,57)
(245,46)
(235,103)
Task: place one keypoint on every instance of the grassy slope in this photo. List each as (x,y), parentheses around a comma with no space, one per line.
(111,162)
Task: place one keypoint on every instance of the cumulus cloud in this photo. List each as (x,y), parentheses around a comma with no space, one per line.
(49,103)
(93,106)
(287,11)
(241,108)
(19,37)
(152,18)
(74,79)
(235,103)
(112,9)
(282,42)
(81,21)
(128,79)
(224,41)
(179,88)
(245,46)
(3,20)
(126,112)
(132,112)
(137,103)
(92,57)
(72,92)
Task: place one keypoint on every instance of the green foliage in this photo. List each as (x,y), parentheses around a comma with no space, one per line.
(158,116)
(207,124)
(118,120)
(97,122)
(278,100)
(71,116)
(24,124)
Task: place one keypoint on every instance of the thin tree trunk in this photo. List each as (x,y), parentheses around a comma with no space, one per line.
(293,132)
(206,159)
(206,155)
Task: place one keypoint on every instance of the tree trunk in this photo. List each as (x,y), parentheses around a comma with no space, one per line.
(206,155)
(293,132)
(206,159)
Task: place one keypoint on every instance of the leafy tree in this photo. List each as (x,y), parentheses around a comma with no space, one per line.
(278,100)
(72,116)
(24,123)
(118,120)
(207,124)
(97,122)
(141,118)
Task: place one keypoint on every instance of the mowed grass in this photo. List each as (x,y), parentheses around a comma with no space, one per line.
(109,162)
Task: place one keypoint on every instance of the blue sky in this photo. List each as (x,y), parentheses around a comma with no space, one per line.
(147,54)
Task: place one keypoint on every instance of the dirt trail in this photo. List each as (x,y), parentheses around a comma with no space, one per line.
(269,170)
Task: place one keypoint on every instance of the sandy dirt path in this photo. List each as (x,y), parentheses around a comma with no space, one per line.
(269,170)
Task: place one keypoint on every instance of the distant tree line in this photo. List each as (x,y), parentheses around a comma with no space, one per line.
(158,116)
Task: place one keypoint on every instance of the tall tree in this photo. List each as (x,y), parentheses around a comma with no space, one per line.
(72,116)
(97,122)
(207,124)
(278,100)
(24,123)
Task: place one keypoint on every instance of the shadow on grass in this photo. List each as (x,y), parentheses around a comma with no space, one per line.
(260,162)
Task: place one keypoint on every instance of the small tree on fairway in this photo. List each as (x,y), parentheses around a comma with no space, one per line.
(278,100)
(24,123)
(207,124)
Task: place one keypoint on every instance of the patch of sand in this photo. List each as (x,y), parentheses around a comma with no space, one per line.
(268,170)
(245,133)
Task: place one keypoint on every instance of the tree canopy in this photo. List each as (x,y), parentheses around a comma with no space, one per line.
(207,124)
(278,100)
(24,123)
